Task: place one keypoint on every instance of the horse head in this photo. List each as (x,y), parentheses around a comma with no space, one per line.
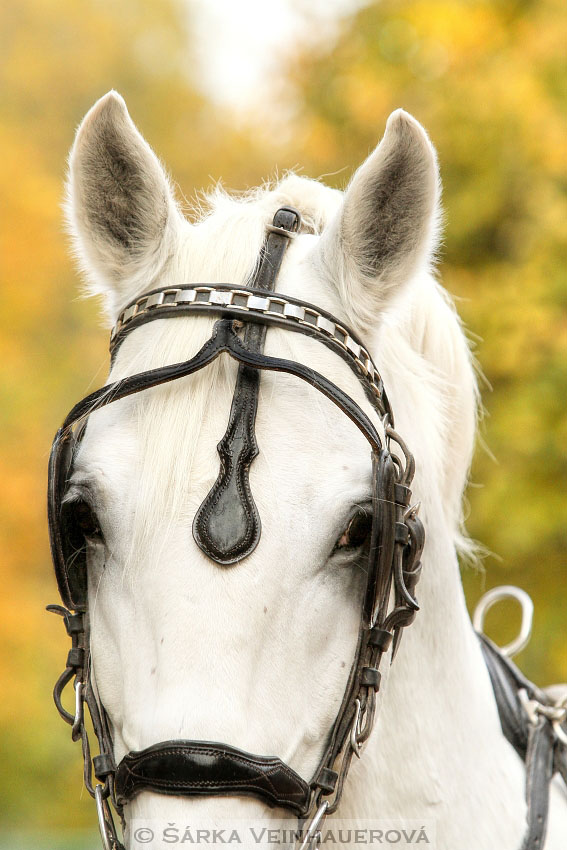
(255,651)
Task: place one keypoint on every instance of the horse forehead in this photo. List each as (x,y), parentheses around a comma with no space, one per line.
(295,426)
(305,472)
(305,439)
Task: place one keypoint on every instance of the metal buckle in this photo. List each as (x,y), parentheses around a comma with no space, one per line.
(312,837)
(556,713)
(355,730)
(362,723)
(291,234)
(497,594)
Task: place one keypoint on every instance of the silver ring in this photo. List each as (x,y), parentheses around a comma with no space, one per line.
(313,827)
(497,594)
(101,819)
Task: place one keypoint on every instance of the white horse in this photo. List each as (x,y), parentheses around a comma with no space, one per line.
(257,655)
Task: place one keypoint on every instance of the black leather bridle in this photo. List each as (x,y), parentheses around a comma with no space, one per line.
(192,768)
(227,528)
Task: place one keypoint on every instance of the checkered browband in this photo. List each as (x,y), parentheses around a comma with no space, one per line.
(243,302)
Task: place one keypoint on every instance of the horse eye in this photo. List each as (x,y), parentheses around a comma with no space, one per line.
(86,520)
(80,521)
(356,532)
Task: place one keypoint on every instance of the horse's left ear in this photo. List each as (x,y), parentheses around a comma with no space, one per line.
(387,227)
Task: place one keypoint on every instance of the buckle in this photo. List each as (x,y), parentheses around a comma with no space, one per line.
(555,713)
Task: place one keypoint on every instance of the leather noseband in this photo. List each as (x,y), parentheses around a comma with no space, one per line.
(203,768)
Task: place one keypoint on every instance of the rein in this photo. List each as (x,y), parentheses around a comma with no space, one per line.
(227,528)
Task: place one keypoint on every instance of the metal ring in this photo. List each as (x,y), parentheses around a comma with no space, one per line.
(497,594)
(101,818)
(312,829)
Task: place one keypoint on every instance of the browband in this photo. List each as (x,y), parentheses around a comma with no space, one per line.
(246,303)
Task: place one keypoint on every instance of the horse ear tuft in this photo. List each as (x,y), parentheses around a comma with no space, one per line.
(387,227)
(120,208)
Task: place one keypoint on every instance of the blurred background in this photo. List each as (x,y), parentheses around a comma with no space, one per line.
(240,93)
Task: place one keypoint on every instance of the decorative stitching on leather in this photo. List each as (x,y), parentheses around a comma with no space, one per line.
(215,751)
(273,766)
(235,466)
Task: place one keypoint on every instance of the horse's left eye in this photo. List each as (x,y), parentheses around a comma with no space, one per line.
(356,533)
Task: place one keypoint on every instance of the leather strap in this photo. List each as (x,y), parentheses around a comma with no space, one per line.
(197,768)
(507,680)
(72,580)
(535,743)
(539,772)
(227,525)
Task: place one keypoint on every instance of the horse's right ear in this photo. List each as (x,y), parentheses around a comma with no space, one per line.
(120,207)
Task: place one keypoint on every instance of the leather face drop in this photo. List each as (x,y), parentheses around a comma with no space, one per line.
(227,525)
